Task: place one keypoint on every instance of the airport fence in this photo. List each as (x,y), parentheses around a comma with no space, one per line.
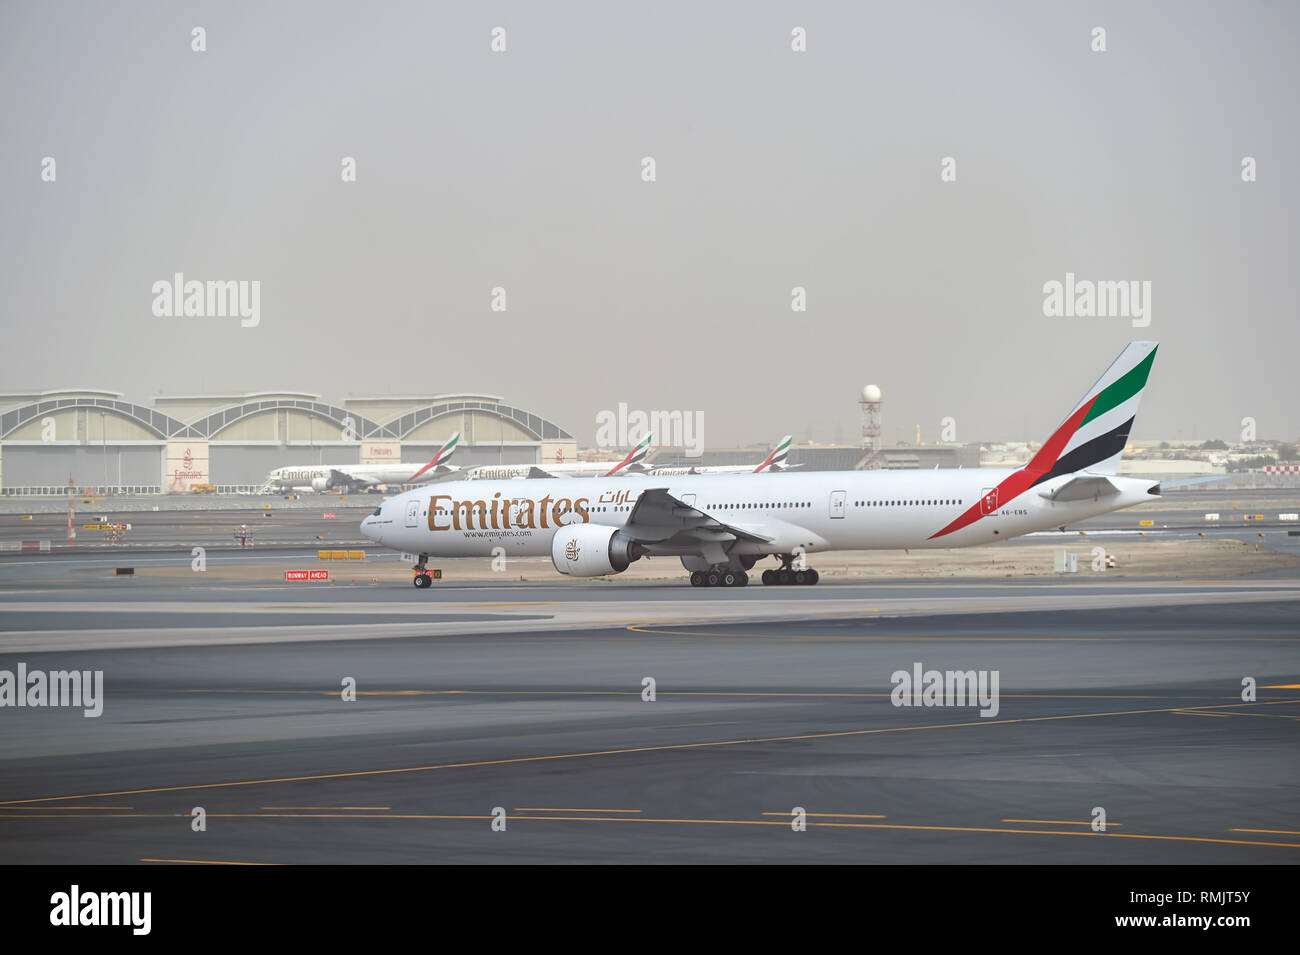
(118,490)
(62,490)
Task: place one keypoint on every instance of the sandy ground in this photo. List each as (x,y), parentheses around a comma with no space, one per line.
(1134,557)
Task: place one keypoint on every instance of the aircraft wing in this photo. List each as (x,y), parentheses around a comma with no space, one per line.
(660,518)
(1083,487)
(536,472)
(338,477)
(443,472)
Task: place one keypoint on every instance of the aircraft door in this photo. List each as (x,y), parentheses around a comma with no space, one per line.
(412,513)
(837,503)
(988,500)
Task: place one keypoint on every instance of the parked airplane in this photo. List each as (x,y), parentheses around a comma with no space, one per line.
(356,477)
(721,525)
(775,461)
(507,472)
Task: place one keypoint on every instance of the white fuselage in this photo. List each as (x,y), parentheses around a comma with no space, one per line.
(509,472)
(812,511)
(396,472)
(709,469)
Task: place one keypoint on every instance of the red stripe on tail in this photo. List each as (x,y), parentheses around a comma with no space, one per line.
(1019,482)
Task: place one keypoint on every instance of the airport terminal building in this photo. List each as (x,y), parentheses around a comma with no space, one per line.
(102,440)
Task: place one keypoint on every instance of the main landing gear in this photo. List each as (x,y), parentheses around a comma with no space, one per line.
(719,578)
(422,578)
(724,576)
(786,574)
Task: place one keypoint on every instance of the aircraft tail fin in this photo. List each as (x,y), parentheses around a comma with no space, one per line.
(1090,440)
(441,458)
(776,460)
(634,458)
(1093,437)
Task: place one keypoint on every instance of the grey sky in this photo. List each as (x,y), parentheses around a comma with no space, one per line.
(775,169)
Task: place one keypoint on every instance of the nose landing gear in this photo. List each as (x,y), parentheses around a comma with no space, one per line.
(422,578)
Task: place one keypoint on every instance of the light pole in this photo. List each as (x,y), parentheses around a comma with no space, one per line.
(103,440)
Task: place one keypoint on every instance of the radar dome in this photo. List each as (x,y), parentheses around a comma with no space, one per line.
(871,393)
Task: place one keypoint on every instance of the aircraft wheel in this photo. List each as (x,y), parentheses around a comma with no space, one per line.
(742,578)
(422,581)
(712,578)
(697,578)
(785,576)
(767,577)
(801,577)
(813,577)
(728,579)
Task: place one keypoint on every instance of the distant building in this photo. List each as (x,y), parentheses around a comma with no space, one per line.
(232,440)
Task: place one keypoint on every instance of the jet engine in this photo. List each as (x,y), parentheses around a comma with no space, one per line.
(320,484)
(591,550)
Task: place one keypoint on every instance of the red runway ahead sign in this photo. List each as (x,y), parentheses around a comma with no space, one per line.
(306,575)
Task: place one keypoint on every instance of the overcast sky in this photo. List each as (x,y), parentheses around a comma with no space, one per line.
(775,169)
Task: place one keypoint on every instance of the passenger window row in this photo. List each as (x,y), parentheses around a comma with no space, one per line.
(925,503)
(754,505)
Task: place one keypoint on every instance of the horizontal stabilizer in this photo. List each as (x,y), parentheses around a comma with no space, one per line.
(1081,488)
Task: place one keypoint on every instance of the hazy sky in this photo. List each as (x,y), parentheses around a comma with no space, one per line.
(775,169)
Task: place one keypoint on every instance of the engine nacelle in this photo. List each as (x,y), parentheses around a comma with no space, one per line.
(592,550)
(320,484)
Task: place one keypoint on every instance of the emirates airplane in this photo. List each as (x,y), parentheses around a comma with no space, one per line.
(356,477)
(775,461)
(721,525)
(573,469)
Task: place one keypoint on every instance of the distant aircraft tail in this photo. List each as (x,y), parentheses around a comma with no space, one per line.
(634,458)
(776,460)
(440,459)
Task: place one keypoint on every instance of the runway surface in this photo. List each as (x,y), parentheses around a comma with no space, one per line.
(528,699)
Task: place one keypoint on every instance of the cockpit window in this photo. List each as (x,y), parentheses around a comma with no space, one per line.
(377,510)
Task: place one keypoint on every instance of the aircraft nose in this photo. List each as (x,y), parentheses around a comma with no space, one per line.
(368,528)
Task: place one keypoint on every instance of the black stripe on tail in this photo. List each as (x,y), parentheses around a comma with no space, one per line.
(1090,452)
